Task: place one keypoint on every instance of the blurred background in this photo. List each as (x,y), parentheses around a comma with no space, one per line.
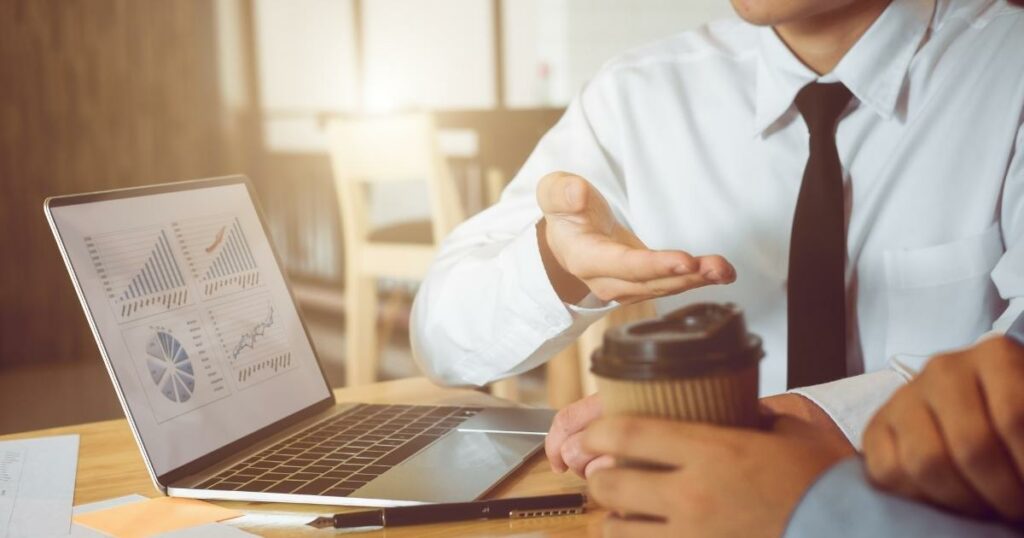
(103,94)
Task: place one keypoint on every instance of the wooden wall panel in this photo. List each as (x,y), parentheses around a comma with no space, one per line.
(94,94)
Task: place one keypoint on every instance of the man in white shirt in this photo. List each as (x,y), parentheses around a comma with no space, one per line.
(698,144)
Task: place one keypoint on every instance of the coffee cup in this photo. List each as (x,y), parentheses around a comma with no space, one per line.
(697,363)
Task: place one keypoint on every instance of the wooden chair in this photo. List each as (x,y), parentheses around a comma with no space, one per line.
(376,149)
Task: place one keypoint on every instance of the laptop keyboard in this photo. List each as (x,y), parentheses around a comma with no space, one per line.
(339,455)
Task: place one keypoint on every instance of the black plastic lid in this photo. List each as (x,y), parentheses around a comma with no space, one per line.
(696,340)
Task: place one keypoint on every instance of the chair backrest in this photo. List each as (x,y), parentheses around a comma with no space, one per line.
(388,148)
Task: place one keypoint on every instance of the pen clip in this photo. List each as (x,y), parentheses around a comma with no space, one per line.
(544,512)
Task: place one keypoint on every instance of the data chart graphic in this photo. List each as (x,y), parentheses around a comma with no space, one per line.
(139,272)
(247,340)
(170,367)
(217,254)
(252,339)
(265,369)
(175,367)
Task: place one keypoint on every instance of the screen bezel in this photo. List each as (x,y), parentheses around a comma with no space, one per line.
(232,448)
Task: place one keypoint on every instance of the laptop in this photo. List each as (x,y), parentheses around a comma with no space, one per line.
(217,376)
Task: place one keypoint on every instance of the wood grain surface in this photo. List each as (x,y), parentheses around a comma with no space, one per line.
(110,466)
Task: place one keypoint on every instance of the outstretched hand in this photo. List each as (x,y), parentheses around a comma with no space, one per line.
(586,250)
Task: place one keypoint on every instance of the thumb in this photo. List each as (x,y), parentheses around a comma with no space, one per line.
(561,193)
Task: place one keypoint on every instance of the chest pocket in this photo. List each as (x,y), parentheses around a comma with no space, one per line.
(941,297)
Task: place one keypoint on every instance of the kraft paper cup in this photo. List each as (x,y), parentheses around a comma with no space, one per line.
(727,399)
(698,363)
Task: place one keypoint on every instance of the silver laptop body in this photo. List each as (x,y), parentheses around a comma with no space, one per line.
(213,365)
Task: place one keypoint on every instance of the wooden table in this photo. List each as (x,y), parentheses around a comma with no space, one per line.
(110,465)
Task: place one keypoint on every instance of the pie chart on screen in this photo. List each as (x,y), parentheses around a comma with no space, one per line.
(170,367)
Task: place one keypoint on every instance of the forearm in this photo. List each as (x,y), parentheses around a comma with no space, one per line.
(488,310)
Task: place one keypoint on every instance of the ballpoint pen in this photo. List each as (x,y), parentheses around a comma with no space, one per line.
(515,508)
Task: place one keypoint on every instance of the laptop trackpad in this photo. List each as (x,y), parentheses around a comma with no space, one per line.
(460,466)
(511,420)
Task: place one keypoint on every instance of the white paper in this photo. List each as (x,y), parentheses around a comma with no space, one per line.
(212,530)
(10,474)
(109,503)
(37,486)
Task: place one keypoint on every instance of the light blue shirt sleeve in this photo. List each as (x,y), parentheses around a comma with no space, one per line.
(842,504)
(1016,331)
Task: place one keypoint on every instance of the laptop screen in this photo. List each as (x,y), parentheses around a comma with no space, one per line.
(193,312)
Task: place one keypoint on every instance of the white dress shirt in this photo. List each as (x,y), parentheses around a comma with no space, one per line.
(696,145)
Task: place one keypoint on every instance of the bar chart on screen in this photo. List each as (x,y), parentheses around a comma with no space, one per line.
(217,254)
(251,338)
(139,272)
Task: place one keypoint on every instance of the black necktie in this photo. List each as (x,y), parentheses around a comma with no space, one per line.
(817,254)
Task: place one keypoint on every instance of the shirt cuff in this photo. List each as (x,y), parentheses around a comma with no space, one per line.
(536,314)
(851,402)
(591,307)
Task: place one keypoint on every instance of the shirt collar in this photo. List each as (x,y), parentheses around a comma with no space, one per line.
(874,69)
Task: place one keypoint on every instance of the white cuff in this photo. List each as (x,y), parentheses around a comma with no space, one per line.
(851,402)
(537,314)
(591,308)
(533,293)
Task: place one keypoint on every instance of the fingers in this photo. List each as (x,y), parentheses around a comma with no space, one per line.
(658,441)
(575,457)
(1005,399)
(560,193)
(631,491)
(716,269)
(926,459)
(1000,461)
(952,434)
(597,464)
(972,435)
(587,242)
(570,420)
(598,255)
(613,289)
(883,462)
